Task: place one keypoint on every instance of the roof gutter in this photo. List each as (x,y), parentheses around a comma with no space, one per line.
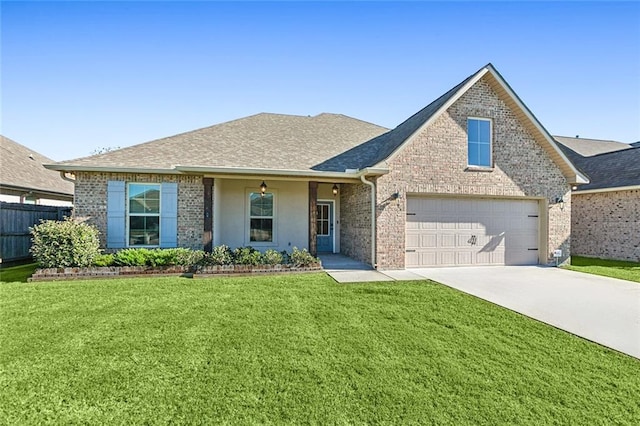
(63,175)
(350,174)
(103,169)
(613,189)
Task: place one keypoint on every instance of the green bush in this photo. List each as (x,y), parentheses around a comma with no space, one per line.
(247,256)
(272,257)
(57,244)
(189,258)
(104,260)
(131,257)
(162,257)
(220,255)
(302,257)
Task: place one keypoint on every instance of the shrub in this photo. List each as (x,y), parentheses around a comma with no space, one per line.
(190,258)
(57,244)
(104,260)
(302,257)
(131,257)
(272,257)
(247,256)
(220,255)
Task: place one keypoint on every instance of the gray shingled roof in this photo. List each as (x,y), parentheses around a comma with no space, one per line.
(615,169)
(21,168)
(589,147)
(376,150)
(269,141)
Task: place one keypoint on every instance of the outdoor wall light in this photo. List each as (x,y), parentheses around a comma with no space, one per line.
(335,189)
(263,188)
(560,200)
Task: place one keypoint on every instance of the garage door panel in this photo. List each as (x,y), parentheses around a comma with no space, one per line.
(447,258)
(464,258)
(428,241)
(429,225)
(467,231)
(413,240)
(448,240)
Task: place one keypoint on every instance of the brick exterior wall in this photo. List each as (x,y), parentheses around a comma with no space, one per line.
(355,221)
(607,225)
(434,162)
(91,202)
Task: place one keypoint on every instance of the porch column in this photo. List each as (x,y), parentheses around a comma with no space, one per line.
(207,237)
(313,217)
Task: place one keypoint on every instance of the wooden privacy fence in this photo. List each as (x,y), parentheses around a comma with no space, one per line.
(15,220)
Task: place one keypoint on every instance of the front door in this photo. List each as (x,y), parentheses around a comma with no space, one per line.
(324,226)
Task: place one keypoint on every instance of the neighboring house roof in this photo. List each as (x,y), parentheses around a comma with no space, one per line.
(21,171)
(327,144)
(636,144)
(262,141)
(589,147)
(615,170)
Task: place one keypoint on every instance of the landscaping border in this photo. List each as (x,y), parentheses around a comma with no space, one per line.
(55,274)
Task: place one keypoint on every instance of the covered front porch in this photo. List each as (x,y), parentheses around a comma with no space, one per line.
(272,213)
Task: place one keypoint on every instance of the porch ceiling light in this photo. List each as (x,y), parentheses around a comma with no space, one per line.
(335,189)
(263,188)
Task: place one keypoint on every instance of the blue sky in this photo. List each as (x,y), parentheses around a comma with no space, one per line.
(78,76)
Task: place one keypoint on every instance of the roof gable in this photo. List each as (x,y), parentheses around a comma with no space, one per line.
(391,143)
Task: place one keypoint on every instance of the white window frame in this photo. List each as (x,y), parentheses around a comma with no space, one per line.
(129,214)
(477,166)
(248,217)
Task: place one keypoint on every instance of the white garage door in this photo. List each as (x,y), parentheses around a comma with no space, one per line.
(464,231)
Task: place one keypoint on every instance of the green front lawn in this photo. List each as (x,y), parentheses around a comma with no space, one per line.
(294,349)
(609,268)
(17,273)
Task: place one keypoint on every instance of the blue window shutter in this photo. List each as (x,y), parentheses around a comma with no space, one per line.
(116,199)
(169,215)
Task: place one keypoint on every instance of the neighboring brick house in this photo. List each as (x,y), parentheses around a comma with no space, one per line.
(471,179)
(23,179)
(606,212)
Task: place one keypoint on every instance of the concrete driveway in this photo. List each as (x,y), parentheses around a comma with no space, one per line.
(604,310)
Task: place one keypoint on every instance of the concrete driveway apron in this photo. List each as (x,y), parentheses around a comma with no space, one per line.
(604,310)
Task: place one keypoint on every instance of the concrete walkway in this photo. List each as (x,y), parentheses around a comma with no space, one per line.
(343,269)
(604,310)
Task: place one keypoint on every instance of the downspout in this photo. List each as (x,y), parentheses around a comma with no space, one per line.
(373,219)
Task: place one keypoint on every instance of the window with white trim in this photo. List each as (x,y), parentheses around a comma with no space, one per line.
(479,142)
(143,214)
(261,217)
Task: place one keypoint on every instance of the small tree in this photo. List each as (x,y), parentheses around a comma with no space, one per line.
(57,244)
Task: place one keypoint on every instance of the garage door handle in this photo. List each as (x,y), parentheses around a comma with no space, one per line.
(410,251)
(532,249)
